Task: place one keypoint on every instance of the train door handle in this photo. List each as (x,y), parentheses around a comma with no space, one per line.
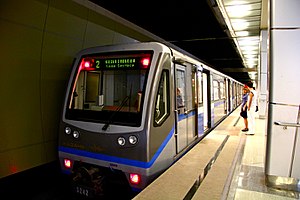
(187,111)
(286,124)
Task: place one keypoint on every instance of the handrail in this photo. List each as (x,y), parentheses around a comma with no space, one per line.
(286,124)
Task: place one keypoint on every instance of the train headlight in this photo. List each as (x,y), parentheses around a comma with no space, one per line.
(76,134)
(121,141)
(68,130)
(132,139)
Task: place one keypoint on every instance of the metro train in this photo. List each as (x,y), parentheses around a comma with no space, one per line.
(121,116)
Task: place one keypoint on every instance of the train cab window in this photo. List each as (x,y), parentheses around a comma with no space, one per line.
(162,101)
(109,94)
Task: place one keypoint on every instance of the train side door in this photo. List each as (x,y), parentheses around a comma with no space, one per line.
(202,100)
(191,108)
(180,86)
(185,106)
(228,88)
(206,101)
(226,96)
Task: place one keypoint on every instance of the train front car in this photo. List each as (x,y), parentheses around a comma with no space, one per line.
(116,96)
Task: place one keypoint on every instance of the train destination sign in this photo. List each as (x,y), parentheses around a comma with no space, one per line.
(117,63)
(114,62)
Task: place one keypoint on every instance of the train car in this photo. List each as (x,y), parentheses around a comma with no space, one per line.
(132,110)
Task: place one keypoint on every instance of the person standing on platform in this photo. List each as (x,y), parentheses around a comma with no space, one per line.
(244,107)
(251,104)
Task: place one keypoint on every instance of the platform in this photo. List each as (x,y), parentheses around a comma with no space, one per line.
(227,164)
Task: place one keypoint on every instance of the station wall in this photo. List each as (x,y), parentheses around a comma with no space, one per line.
(39,39)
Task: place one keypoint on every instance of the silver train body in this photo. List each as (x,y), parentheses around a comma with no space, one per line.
(122,115)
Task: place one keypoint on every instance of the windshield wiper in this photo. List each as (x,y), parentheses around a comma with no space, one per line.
(104,128)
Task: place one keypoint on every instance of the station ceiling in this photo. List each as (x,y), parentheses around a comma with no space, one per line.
(194,26)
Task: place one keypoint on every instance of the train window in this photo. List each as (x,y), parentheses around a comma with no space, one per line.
(200,83)
(109,94)
(181,86)
(216,89)
(222,90)
(162,102)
